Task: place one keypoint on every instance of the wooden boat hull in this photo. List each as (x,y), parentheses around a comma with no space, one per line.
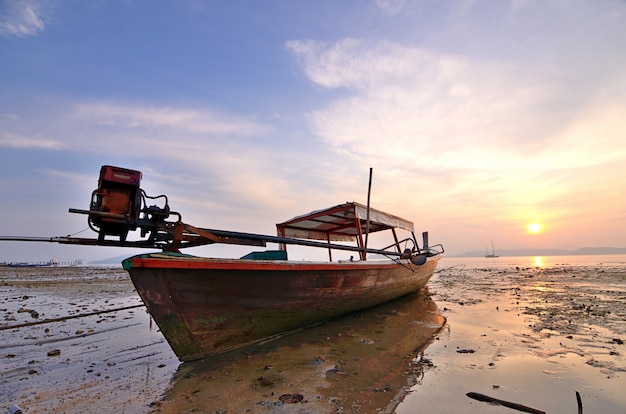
(207,306)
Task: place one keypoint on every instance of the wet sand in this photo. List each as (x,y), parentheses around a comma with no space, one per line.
(533,336)
(114,361)
(528,335)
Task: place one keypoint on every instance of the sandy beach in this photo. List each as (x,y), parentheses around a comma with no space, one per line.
(529,335)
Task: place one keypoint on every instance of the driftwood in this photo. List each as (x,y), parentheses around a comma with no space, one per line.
(580,403)
(515,406)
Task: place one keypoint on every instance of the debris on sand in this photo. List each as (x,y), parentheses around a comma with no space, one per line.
(291,398)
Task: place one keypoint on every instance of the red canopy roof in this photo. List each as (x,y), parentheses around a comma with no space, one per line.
(340,223)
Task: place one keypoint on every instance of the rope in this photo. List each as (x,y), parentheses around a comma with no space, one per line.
(78,232)
(64,318)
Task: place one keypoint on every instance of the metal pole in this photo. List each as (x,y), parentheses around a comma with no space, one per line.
(367,226)
(220,233)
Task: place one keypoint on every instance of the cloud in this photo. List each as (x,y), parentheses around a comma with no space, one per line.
(424,108)
(356,63)
(187,121)
(10,140)
(228,156)
(390,7)
(175,134)
(21,18)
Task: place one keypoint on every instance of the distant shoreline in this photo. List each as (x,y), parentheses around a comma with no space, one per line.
(585,251)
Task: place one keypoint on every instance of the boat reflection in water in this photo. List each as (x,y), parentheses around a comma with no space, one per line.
(364,361)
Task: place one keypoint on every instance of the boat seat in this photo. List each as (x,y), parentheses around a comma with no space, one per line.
(266,255)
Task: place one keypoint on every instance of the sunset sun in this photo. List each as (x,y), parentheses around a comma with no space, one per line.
(534,228)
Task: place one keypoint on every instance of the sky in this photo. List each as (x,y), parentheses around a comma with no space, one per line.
(478,117)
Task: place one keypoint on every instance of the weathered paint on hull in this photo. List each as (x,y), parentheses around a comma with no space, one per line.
(209,306)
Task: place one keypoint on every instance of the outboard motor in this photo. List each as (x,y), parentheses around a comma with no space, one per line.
(116,203)
(119,206)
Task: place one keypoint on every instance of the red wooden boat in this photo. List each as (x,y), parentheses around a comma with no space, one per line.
(206,306)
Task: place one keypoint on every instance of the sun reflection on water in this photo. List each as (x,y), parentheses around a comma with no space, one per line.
(538,262)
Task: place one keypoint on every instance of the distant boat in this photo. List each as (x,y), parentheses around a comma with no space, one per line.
(493,252)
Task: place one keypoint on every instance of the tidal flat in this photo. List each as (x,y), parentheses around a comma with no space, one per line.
(78,339)
(530,335)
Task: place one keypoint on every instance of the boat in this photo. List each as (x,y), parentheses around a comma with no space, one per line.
(207,306)
(491,254)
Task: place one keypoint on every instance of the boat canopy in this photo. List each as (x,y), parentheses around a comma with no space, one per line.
(343,222)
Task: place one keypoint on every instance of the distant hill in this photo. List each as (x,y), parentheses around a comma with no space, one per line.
(549,252)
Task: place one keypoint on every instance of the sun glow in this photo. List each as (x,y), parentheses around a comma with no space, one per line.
(534,228)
